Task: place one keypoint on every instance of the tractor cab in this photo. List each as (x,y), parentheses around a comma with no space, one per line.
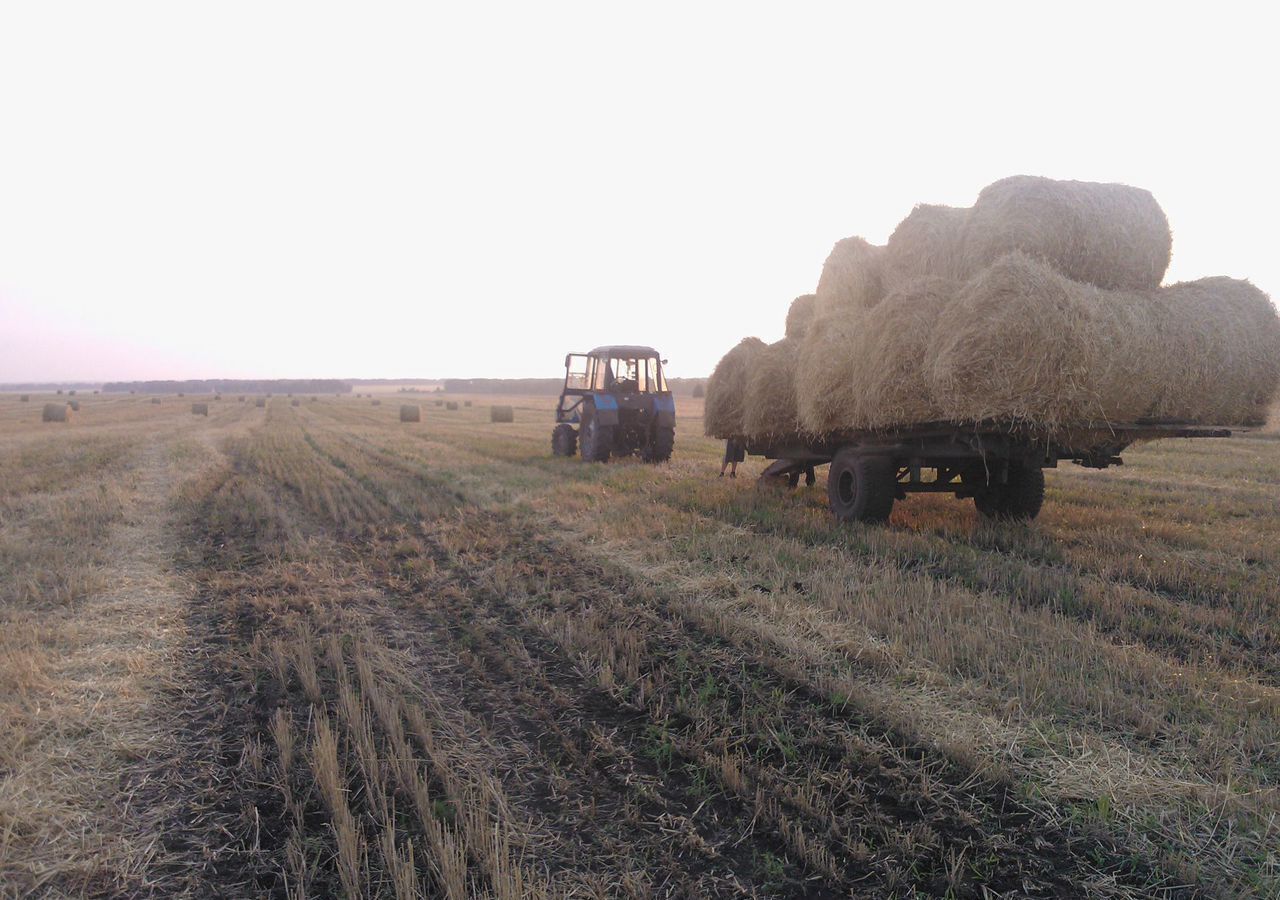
(617,397)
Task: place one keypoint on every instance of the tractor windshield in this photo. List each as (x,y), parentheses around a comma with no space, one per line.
(623,374)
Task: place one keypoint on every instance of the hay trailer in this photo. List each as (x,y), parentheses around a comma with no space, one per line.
(615,402)
(1000,468)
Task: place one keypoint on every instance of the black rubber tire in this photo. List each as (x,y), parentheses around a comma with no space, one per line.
(595,440)
(861,488)
(1017,500)
(564,440)
(661,446)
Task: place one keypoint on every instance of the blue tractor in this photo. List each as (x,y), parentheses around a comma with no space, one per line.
(615,402)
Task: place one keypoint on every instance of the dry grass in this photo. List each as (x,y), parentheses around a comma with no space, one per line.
(445,663)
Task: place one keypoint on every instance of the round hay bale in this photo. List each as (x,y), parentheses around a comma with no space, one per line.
(155,400)
(182,395)
(1221,340)
(55,412)
(502,414)
(800,314)
(74,404)
(59,391)
(260,403)
(200,409)
(1109,235)
(25,398)
(699,391)
(439,403)
(295,402)
(851,278)
(217,396)
(410,412)
(71,393)
(375,402)
(882,378)
(771,408)
(451,405)
(823,393)
(240,399)
(725,412)
(928,243)
(466,403)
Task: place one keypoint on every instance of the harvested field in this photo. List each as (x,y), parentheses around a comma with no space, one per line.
(311,653)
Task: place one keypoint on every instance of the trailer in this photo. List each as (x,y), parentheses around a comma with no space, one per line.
(1000,466)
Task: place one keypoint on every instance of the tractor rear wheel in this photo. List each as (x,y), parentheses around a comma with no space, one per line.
(564,440)
(661,445)
(861,488)
(595,441)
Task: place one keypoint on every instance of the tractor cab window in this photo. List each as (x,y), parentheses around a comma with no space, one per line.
(629,375)
(625,374)
(577,373)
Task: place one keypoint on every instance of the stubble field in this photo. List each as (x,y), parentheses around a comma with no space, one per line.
(310,651)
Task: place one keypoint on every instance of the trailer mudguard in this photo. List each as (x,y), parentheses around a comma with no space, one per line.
(606,406)
(664,411)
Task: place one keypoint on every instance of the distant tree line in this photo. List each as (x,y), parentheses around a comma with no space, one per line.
(686,386)
(232,385)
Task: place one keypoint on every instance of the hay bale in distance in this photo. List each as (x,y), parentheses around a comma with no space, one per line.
(410,412)
(74,404)
(1108,235)
(260,403)
(25,398)
(699,391)
(295,402)
(800,314)
(851,279)
(155,400)
(240,399)
(200,409)
(55,412)
(466,403)
(452,405)
(502,414)
(59,392)
(439,403)
(725,412)
(71,393)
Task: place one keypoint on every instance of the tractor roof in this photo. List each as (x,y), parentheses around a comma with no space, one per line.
(624,351)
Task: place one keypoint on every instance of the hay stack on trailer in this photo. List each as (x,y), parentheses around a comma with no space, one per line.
(502,414)
(410,412)
(1040,307)
(55,412)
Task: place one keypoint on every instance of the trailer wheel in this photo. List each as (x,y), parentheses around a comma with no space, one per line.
(861,488)
(661,445)
(564,440)
(1017,500)
(595,440)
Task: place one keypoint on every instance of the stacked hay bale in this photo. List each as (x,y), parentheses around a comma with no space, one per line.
(502,414)
(410,412)
(55,412)
(1040,307)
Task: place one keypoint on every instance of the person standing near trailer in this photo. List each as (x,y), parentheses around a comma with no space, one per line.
(734,453)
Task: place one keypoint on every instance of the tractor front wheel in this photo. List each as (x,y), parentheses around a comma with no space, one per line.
(595,441)
(564,440)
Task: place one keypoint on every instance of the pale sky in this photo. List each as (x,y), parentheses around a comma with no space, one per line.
(266,189)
